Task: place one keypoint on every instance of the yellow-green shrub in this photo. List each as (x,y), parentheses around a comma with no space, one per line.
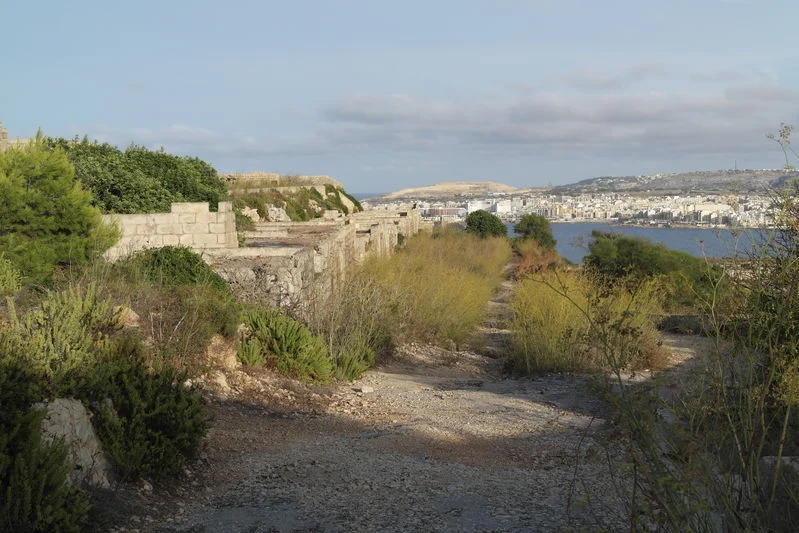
(439,284)
(566,321)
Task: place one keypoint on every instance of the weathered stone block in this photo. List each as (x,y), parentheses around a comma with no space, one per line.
(194,228)
(171,240)
(190,207)
(187,218)
(225,207)
(205,240)
(187,239)
(170,229)
(216,228)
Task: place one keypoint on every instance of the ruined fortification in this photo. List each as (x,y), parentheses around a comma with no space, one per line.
(281,263)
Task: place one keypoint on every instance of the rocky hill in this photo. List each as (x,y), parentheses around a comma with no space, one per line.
(710,181)
(453,188)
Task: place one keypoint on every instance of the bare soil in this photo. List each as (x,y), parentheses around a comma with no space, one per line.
(432,440)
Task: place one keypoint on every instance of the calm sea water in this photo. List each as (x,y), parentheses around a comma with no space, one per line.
(573,239)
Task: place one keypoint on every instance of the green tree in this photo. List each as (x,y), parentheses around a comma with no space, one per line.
(47,217)
(484,224)
(140,180)
(537,228)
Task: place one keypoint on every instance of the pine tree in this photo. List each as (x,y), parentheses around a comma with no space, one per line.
(47,217)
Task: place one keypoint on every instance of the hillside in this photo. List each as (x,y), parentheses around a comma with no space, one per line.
(710,181)
(452,188)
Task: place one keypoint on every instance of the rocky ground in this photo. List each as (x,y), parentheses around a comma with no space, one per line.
(433,440)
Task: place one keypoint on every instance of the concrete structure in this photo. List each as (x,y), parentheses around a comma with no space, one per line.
(187,224)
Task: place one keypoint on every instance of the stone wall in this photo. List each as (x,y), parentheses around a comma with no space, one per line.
(283,263)
(188,223)
(288,263)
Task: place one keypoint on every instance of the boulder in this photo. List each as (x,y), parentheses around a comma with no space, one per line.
(68,419)
(277,214)
(251,213)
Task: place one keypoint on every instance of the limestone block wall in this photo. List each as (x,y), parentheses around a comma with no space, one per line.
(270,275)
(189,224)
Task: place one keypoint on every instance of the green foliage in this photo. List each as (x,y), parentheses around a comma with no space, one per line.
(356,321)
(62,335)
(484,224)
(690,280)
(10,278)
(285,344)
(174,266)
(181,302)
(139,180)
(148,420)
(47,218)
(537,228)
(34,494)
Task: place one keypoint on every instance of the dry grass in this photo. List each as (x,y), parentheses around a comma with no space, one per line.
(566,322)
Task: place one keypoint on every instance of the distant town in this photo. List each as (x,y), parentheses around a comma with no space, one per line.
(711,210)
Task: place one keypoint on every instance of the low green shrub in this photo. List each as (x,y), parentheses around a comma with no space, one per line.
(285,344)
(354,356)
(181,302)
(10,278)
(62,335)
(148,420)
(172,266)
(34,494)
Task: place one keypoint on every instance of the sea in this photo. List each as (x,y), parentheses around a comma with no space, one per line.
(573,239)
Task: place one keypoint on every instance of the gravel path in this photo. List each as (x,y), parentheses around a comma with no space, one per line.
(434,440)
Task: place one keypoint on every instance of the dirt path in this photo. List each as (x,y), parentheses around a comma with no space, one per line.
(432,441)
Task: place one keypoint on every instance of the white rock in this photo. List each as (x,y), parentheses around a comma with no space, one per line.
(68,419)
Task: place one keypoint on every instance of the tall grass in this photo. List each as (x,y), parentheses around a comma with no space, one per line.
(434,289)
(570,321)
(442,283)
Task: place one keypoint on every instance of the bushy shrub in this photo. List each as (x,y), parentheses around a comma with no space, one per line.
(10,278)
(140,180)
(566,322)
(484,224)
(284,344)
(148,420)
(47,219)
(34,493)
(172,266)
(62,335)
(534,258)
(690,281)
(536,228)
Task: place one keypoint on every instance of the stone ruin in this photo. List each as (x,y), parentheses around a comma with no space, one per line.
(281,263)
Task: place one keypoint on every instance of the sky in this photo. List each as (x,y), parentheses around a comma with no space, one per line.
(384,95)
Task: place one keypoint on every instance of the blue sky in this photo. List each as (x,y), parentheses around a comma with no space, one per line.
(386,95)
